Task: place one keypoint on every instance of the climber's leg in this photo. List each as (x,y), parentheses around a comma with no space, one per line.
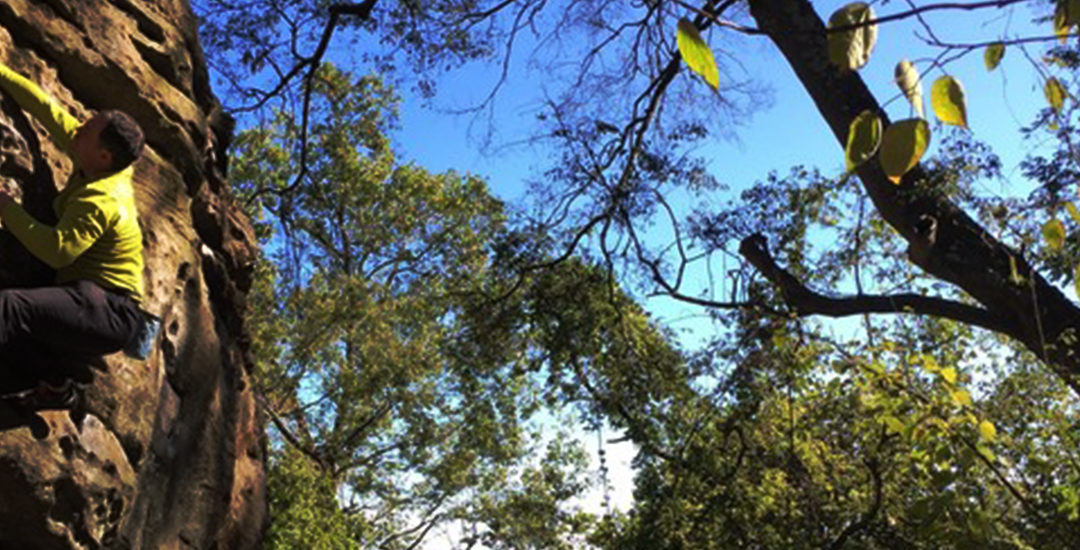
(78,319)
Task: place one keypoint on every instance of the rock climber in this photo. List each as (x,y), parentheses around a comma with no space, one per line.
(95,246)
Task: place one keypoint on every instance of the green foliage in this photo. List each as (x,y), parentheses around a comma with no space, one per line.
(393,377)
(306,511)
(409,335)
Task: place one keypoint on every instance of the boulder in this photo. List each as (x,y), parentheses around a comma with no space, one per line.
(167,452)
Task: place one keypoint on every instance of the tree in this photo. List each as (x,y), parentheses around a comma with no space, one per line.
(614,177)
(400,358)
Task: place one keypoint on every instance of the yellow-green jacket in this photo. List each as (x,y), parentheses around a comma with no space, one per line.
(98,236)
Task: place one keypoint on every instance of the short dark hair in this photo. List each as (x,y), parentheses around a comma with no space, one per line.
(122,137)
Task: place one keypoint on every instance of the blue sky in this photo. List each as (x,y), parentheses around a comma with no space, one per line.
(789,132)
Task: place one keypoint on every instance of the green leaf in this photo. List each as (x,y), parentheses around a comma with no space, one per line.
(947,99)
(993,54)
(985,451)
(696,53)
(907,78)
(1073,212)
(1054,234)
(893,424)
(863,139)
(1055,93)
(949,374)
(903,144)
(850,49)
(987,430)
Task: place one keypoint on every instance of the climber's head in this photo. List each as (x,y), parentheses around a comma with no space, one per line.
(110,141)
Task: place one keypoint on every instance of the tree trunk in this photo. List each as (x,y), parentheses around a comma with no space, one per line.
(169,452)
(942,239)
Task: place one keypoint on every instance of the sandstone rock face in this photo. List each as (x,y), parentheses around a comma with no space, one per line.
(167,453)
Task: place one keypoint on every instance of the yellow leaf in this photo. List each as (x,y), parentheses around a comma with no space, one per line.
(1054,234)
(1061,27)
(1073,212)
(1055,93)
(987,430)
(949,374)
(907,78)
(850,49)
(961,397)
(903,144)
(1014,273)
(993,55)
(947,99)
(863,139)
(696,53)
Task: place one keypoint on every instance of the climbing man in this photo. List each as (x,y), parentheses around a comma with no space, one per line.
(95,247)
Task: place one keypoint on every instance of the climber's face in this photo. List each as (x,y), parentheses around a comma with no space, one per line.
(92,157)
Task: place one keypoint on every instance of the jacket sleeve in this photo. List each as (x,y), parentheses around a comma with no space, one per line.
(84,221)
(61,125)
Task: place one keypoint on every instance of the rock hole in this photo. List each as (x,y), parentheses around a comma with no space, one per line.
(116,506)
(184,271)
(67,446)
(133,449)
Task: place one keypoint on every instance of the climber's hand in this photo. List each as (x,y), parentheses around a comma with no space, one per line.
(5,199)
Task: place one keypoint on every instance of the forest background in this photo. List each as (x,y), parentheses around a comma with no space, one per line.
(430,345)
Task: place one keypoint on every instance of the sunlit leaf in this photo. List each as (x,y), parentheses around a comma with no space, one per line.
(907,78)
(985,452)
(949,374)
(1061,28)
(863,140)
(947,99)
(1014,273)
(1054,234)
(961,397)
(1066,16)
(1055,93)
(903,144)
(696,53)
(987,430)
(993,55)
(850,49)
(1073,212)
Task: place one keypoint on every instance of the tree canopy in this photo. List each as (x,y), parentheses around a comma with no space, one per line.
(411,328)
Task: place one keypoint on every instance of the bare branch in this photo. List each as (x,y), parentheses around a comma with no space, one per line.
(807,302)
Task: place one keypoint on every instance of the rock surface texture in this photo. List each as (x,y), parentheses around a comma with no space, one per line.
(165,453)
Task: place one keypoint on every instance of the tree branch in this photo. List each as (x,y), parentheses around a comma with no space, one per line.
(915,12)
(807,302)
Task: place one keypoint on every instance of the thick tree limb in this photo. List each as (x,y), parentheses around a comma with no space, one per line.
(807,302)
(943,240)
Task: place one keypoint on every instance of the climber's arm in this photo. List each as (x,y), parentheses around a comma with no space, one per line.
(61,125)
(85,219)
